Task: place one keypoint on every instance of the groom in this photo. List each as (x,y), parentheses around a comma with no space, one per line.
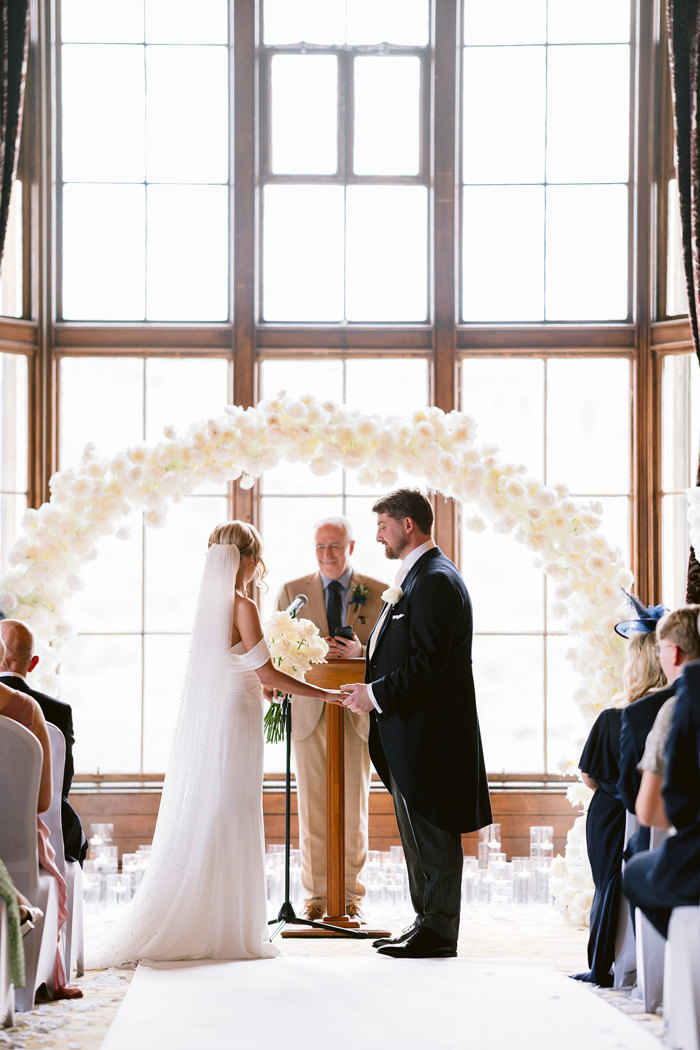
(424,733)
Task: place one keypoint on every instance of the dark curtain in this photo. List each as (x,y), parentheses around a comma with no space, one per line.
(14,44)
(684,54)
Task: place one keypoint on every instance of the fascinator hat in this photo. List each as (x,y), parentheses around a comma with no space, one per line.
(646,620)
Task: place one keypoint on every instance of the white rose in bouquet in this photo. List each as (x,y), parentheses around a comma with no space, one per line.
(295,644)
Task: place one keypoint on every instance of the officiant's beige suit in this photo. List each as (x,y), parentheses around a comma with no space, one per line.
(309,744)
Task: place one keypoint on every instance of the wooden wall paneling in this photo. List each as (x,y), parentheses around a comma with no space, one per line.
(134,813)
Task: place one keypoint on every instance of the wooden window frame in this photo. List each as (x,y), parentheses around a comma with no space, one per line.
(245,341)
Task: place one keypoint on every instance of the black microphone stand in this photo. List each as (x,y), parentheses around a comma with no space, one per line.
(286,916)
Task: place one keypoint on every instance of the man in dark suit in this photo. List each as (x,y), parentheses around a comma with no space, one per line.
(19,661)
(424,731)
(659,880)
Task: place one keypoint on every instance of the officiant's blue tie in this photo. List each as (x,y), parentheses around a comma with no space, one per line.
(335,606)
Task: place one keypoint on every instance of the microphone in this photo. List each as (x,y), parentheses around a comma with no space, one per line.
(297,604)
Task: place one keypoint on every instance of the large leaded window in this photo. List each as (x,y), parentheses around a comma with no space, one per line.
(143,161)
(545,161)
(13,448)
(383,203)
(344,161)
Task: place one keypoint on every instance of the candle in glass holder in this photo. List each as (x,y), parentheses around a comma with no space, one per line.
(522,880)
(542,842)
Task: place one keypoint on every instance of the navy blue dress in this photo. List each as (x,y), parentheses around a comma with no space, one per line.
(605,835)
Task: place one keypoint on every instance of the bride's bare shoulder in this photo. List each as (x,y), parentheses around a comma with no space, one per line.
(246,623)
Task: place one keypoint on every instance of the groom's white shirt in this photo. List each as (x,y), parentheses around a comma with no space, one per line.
(406,565)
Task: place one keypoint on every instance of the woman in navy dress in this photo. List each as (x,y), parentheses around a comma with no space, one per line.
(599,766)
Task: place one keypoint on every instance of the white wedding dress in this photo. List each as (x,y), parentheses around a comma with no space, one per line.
(203,893)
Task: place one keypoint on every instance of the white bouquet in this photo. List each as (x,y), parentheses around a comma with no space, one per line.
(294,646)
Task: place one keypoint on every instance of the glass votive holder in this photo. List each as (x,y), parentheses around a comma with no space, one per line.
(489,843)
(146,849)
(106,859)
(497,867)
(101,834)
(397,855)
(522,880)
(134,864)
(540,881)
(470,881)
(501,874)
(542,841)
(92,887)
(118,887)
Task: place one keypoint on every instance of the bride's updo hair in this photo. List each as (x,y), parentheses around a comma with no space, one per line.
(244,536)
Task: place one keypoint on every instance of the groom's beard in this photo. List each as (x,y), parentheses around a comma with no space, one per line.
(394,553)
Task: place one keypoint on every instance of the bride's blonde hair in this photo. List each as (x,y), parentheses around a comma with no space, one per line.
(244,536)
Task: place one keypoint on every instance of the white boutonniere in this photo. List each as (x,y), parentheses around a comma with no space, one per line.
(392,595)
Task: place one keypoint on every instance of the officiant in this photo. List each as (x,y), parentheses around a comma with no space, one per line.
(344,604)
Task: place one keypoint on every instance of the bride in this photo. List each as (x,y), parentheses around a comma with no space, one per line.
(203,893)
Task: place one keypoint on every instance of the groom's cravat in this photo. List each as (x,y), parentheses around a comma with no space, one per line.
(401,574)
(335,606)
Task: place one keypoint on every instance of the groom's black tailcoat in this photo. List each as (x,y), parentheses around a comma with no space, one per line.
(60,715)
(421,675)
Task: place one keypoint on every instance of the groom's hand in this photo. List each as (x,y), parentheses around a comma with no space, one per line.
(357,698)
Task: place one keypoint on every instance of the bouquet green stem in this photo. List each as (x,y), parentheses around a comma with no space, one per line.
(275,720)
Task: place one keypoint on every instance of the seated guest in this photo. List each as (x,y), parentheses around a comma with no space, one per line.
(669,877)
(650,809)
(678,642)
(24,709)
(20,660)
(605,822)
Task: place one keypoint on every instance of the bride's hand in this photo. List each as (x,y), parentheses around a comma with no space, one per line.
(333,696)
(269,694)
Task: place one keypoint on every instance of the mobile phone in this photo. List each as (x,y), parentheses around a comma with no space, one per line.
(343,632)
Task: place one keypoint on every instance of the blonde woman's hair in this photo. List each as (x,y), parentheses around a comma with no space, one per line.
(642,672)
(244,536)
(681,628)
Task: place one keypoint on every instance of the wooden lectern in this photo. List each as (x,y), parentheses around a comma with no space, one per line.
(332,675)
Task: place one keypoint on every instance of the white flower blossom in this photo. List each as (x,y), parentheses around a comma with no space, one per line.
(392,595)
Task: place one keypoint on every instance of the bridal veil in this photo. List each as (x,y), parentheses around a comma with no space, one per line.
(176,912)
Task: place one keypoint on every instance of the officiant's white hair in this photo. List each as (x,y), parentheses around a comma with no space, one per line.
(337,519)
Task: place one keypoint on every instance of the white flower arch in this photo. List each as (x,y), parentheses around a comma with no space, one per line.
(89,501)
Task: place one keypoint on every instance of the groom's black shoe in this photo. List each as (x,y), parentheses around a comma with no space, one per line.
(406,932)
(423,944)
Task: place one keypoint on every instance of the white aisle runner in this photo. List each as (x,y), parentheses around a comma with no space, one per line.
(300,1003)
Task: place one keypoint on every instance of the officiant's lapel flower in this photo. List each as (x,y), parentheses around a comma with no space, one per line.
(392,595)
(359,596)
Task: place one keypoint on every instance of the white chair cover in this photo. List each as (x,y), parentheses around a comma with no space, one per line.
(651,948)
(625,956)
(650,963)
(7,993)
(20,773)
(72,933)
(682,979)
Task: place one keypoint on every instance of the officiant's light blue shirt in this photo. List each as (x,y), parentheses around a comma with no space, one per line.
(344,582)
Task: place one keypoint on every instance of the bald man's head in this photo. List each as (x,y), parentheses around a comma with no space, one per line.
(19,647)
